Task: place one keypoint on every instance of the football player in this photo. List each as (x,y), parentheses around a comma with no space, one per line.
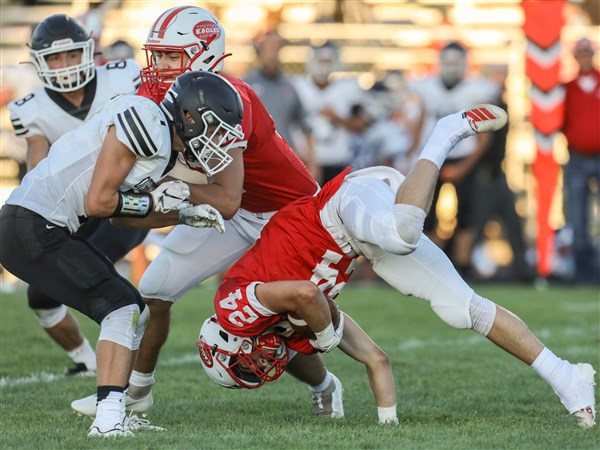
(111,167)
(73,90)
(377,213)
(264,175)
(442,94)
(247,355)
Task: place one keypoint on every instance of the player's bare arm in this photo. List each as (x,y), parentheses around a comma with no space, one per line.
(224,190)
(37,149)
(114,163)
(302,298)
(359,346)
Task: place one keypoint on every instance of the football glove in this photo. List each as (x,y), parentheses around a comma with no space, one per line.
(202,216)
(171,196)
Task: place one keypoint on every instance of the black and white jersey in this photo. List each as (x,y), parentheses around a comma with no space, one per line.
(440,102)
(56,188)
(47,113)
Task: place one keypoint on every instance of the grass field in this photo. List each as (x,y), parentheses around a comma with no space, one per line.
(455,389)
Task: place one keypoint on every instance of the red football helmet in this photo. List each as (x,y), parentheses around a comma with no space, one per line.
(240,362)
(195,34)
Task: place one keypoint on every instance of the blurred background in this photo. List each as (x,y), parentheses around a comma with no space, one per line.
(385,46)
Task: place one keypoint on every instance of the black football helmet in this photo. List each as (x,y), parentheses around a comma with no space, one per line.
(207,113)
(56,34)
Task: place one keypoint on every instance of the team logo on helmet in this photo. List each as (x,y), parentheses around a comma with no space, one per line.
(205,29)
(62,42)
(205,355)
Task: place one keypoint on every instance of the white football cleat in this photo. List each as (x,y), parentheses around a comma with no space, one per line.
(485,118)
(586,416)
(87,406)
(135,423)
(116,430)
(329,402)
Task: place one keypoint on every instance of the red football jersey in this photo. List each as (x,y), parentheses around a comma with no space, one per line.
(273,174)
(293,245)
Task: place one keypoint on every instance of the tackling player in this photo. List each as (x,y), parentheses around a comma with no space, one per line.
(264,175)
(111,167)
(73,90)
(379,214)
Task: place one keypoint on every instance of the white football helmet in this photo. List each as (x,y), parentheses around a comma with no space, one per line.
(192,32)
(240,362)
(61,33)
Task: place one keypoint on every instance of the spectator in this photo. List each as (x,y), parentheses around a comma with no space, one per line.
(329,103)
(493,198)
(443,93)
(280,98)
(580,127)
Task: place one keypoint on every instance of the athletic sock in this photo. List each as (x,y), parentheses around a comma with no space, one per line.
(84,354)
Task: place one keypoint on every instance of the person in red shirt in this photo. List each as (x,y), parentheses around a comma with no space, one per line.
(307,253)
(580,127)
(261,174)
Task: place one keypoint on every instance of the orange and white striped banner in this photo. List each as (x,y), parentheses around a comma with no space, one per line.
(542,27)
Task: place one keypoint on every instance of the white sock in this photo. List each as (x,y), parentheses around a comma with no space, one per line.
(110,411)
(558,373)
(448,132)
(323,385)
(84,354)
(387,415)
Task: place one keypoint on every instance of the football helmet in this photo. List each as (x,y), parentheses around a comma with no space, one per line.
(240,362)
(207,113)
(56,34)
(193,33)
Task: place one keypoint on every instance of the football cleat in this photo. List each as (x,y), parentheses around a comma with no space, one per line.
(485,118)
(87,406)
(586,416)
(135,423)
(116,430)
(329,403)
(80,370)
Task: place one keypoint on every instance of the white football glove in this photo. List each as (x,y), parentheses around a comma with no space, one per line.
(202,216)
(171,196)
(329,338)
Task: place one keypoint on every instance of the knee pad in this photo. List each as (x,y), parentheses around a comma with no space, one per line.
(49,318)
(453,308)
(483,314)
(120,326)
(409,224)
(141,327)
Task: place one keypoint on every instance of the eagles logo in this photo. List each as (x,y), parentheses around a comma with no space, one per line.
(205,355)
(206,29)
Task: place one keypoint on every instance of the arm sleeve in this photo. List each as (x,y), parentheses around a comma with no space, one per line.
(23,126)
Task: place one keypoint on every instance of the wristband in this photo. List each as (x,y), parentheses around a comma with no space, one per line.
(133,205)
(326,338)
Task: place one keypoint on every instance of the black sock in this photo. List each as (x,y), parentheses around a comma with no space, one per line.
(103,391)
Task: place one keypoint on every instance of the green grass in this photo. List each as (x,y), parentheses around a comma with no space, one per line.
(455,389)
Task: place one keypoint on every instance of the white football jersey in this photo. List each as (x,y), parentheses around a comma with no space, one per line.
(440,102)
(47,113)
(56,188)
(331,142)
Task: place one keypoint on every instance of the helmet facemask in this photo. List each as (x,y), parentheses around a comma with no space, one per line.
(66,79)
(241,362)
(210,148)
